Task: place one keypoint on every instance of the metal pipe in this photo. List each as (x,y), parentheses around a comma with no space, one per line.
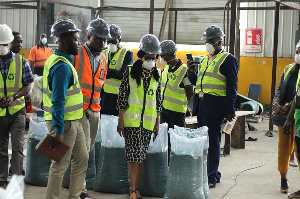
(274,67)
(38,22)
(175,26)
(151,16)
(232,27)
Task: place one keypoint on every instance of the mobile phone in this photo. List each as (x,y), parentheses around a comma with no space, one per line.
(189,57)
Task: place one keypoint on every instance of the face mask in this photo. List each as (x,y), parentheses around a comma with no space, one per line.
(112,48)
(44,40)
(297,58)
(148,64)
(163,61)
(210,48)
(4,50)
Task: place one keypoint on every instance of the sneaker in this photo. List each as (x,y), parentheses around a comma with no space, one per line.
(284,188)
(294,195)
(85,196)
(211,185)
(293,163)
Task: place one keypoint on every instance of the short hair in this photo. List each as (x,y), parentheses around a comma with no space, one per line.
(15,33)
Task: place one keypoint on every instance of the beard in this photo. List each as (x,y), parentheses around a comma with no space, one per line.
(73,50)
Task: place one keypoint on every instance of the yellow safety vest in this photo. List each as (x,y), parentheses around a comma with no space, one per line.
(142,106)
(12,85)
(74,98)
(174,97)
(112,85)
(213,82)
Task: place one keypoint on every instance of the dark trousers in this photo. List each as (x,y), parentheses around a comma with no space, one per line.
(214,150)
(171,120)
(15,125)
(297,141)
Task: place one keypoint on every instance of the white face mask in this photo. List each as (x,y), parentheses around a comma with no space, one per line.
(148,64)
(3,50)
(44,40)
(112,48)
(297,58)
(163,61)
(210,48)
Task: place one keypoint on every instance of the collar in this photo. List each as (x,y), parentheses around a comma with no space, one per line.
(60,53)
(89,51)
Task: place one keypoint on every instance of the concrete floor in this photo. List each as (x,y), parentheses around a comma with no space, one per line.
(249,173)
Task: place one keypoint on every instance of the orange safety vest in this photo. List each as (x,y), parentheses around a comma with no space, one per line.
(90,85)
(39,56)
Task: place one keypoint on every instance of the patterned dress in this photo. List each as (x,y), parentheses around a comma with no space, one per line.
(137,139)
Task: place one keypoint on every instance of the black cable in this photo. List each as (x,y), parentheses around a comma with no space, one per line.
(235,178)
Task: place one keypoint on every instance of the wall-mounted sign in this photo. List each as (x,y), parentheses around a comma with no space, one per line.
(253,40)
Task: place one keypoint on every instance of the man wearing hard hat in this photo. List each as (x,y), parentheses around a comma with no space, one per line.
(15,83)
(63,106)
(91,66)
(216,92)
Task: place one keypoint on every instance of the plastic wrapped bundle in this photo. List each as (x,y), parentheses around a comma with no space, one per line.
(185,178)
(155,168)
(90,173)
(97,148)
(14,190)
(191,133)
(37,165)
(112,175)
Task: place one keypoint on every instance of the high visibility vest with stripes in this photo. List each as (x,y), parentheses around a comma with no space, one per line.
(112,84)
(213,82)
(142,106)
(12,85)
(91,85)
(74,98)
(174,97)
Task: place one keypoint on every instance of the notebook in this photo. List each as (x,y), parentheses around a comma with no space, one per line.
(57,154)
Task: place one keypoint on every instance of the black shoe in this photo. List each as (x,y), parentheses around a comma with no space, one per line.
(284,187)
(3,184)
(211,185)
(85,196)
(218,180)
(10,172)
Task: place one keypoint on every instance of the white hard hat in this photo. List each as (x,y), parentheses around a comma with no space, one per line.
(150,44)
(6,35)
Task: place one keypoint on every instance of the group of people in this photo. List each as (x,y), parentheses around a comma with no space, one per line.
(83,81)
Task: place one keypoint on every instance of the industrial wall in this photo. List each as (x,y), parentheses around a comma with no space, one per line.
(190,24)
(264,19)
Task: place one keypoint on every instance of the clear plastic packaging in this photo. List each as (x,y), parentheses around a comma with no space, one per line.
(14,190)
(155,168)
(112,168)
(202,131)
(37,165)
(185,177)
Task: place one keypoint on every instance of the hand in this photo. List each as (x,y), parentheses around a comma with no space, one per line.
(288,127)
(156,130)
(56,142)
(6,101)
(279,112)
(230,117)
(191,65)
(120,127)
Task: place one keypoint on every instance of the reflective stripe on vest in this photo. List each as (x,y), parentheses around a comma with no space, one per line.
(135,115)
(112,84)
(174,97)
(74,97)
(213,82)
(91,84)
(12,85)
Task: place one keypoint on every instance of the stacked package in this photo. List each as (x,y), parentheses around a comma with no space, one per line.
(185,177)
(112,168)
(155,168)
(37,165)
